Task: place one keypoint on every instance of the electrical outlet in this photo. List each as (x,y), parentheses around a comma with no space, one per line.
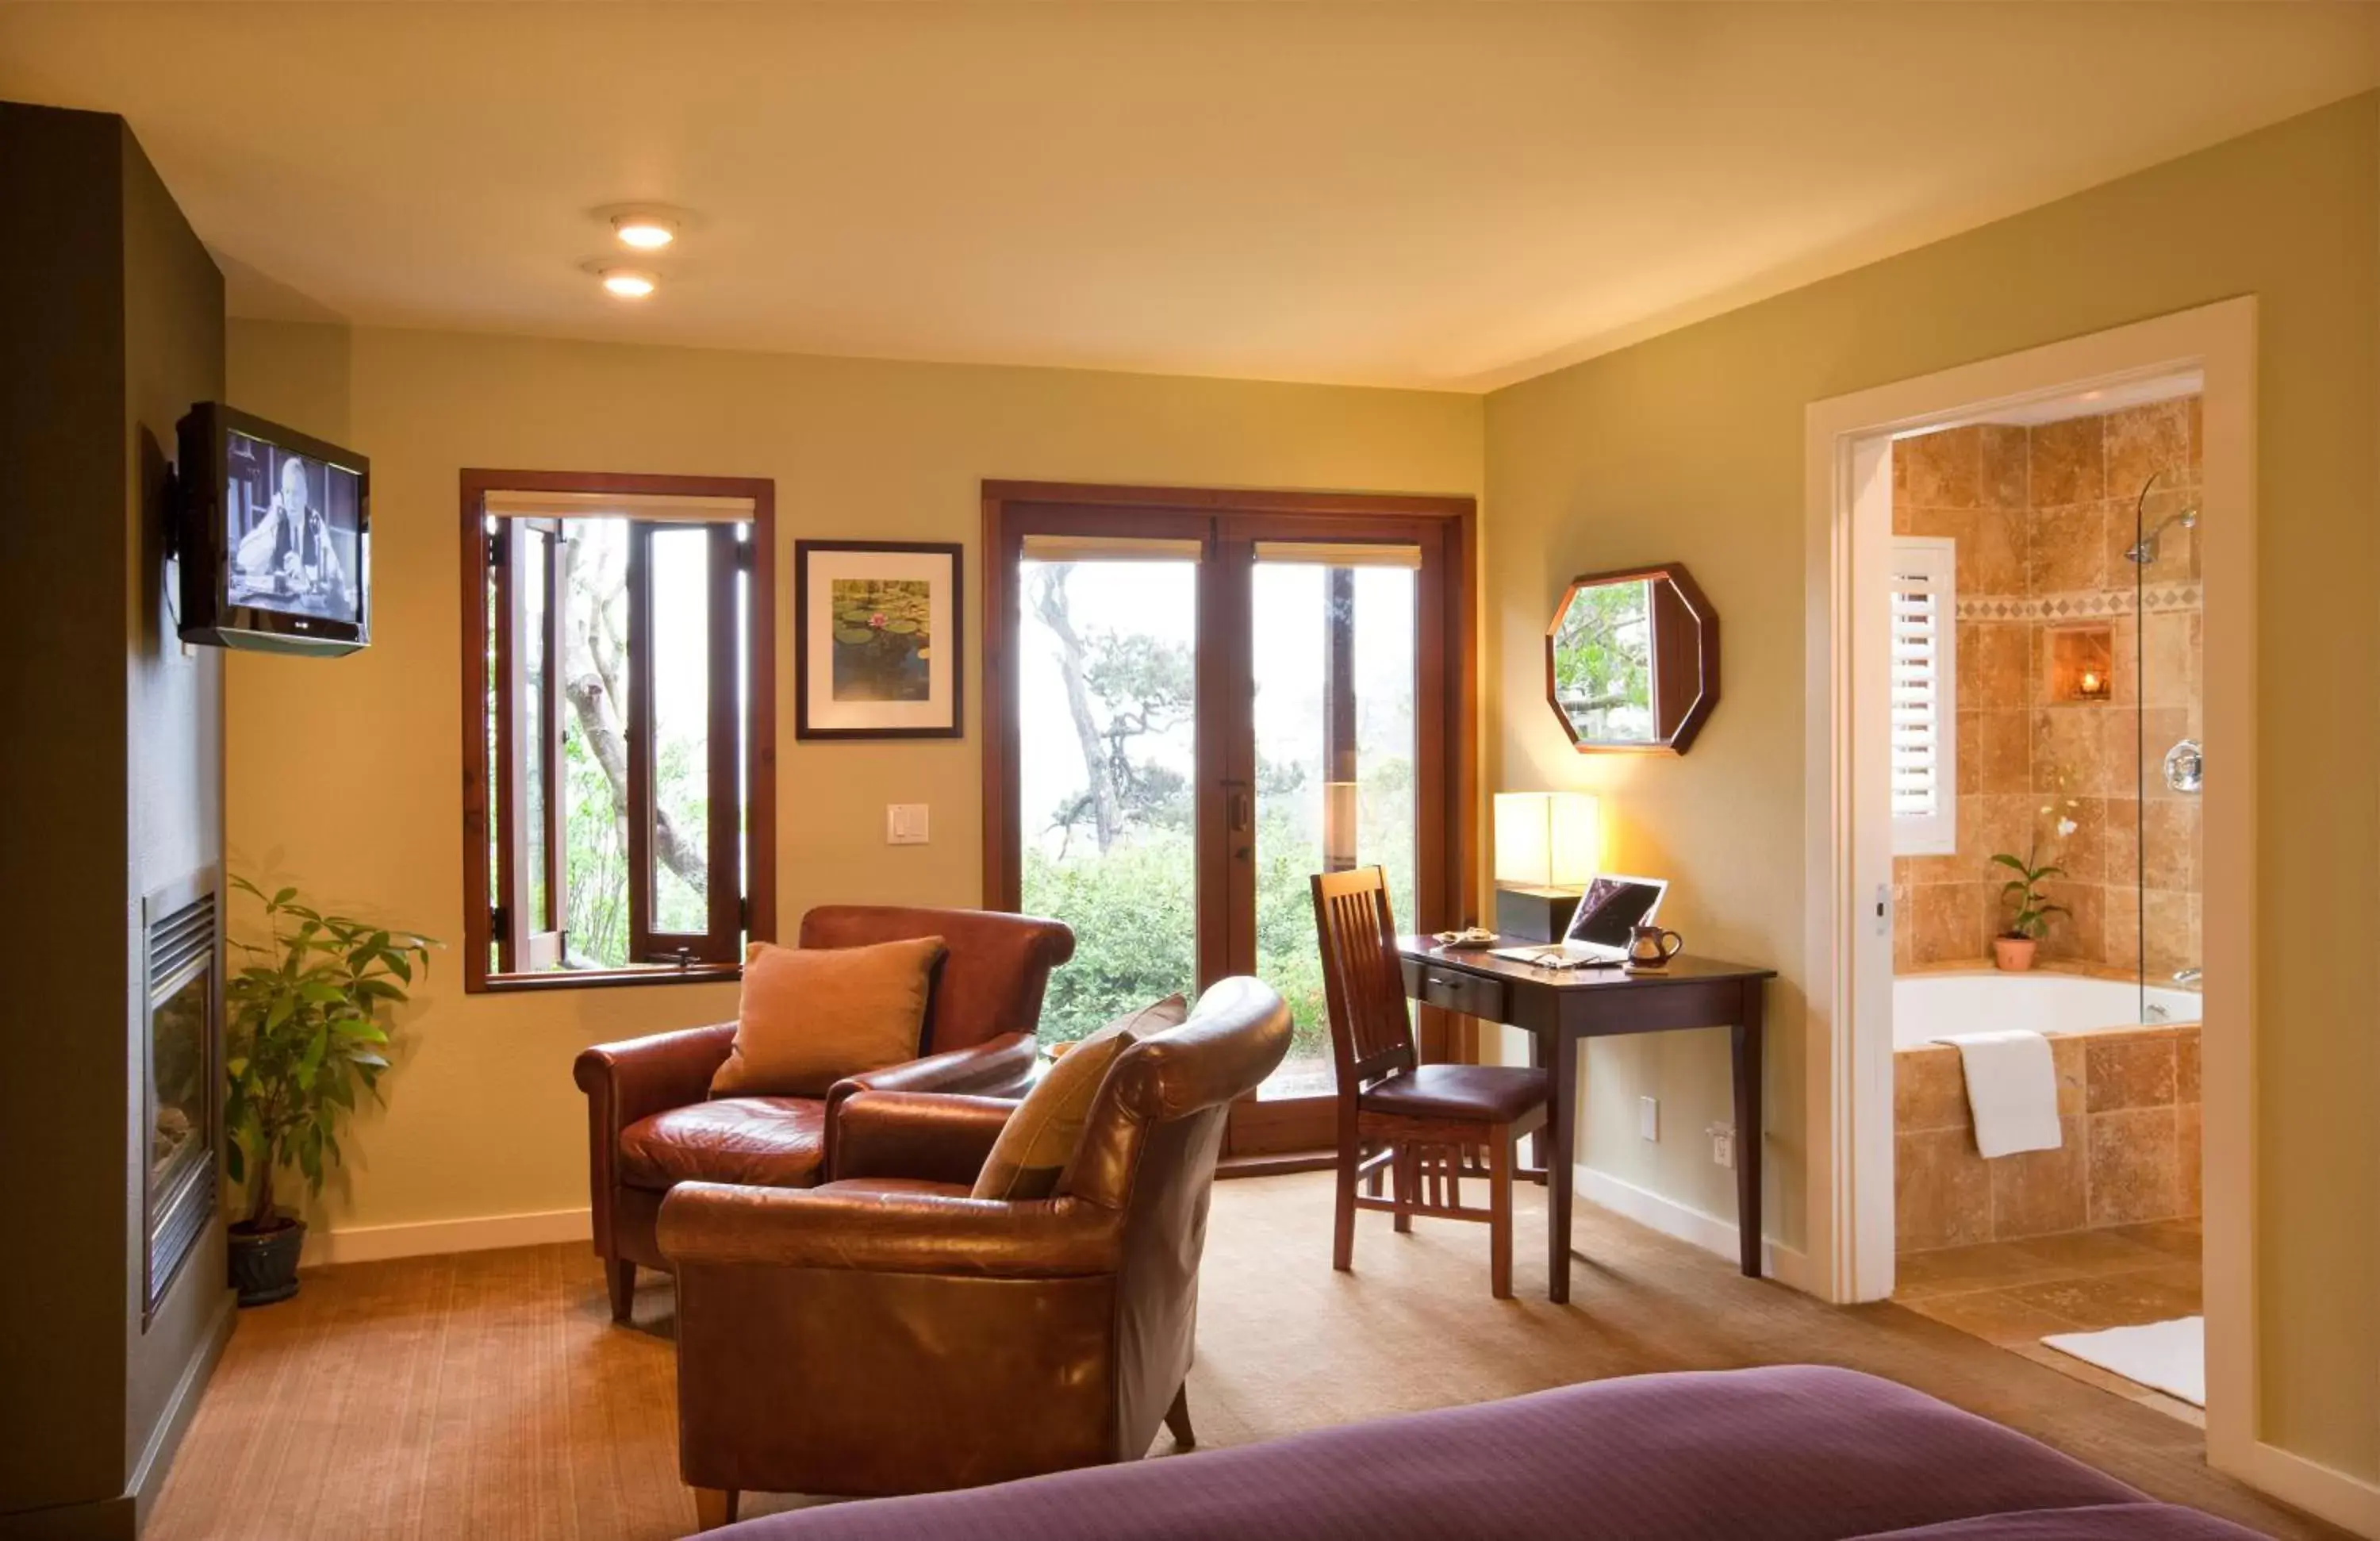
(904,823)
(1649,1118)
(1722,1137)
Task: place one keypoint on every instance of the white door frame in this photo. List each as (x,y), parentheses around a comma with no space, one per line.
(1849,945)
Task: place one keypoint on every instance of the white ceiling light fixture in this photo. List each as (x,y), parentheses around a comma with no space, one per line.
(629,283)
(644,232)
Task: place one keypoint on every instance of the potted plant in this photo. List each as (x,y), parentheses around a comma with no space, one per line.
(2013,947)
(303,1032)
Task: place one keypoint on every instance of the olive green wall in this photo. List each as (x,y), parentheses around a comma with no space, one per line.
(1691,446)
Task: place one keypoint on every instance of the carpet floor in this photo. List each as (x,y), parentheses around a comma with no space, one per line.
(488,1394)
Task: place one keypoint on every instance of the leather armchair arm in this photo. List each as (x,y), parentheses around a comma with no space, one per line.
(639,1077)
(891,1133)
(996,1067)
(889,1233)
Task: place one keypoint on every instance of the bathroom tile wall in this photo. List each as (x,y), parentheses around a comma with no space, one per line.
(2127,1107)
(2043,517)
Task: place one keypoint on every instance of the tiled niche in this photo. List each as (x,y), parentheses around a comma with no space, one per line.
(2042,517)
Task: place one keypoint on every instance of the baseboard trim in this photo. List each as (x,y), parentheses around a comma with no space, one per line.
(1666,1215)
(2344,1501)
(371,1244)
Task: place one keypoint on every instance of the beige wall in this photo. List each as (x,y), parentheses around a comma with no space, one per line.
(1690,446)
(346,775)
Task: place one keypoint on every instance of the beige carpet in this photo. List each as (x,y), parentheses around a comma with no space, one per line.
(487,1395)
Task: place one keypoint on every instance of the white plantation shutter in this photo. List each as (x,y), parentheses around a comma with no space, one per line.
(1925,690)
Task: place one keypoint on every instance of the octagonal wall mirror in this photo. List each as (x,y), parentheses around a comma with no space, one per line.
(1631,660)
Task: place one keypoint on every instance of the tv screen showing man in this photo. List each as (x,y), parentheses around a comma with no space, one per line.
(293,532)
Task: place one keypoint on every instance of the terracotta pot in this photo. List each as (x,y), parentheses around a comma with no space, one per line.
(264,1263)
(2014,954)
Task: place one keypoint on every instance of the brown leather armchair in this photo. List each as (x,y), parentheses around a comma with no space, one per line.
(885,1333)
(653,1122)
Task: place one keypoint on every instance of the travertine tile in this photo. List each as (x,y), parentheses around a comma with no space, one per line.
(1992,1316)
(2068,463)
(2129,517)
(2142,442)
(2189,1155)
(1992,665)
(1928,1090)
(2003,751)
(2110,1300)
(2075,837)
(2071,750)
(2120,826)
(2169,933)
(2139,759)
(2066,549)
(2185,1065)
(2067,1052)
(1964,1270)
(2085,1253)
(1942,1191)
(2134,1174)
(1949,919)
(2170,655)
(1945,468)
(2079,933)
(2007,481)
(2170,843)
(2036,1193)
(2177,1239)
(2129,1070)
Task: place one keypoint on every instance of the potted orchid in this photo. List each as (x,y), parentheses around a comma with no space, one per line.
(2013,947)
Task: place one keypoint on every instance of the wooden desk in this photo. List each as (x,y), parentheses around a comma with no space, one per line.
(1559,1007)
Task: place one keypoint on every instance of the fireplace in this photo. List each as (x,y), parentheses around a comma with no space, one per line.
(183,1092)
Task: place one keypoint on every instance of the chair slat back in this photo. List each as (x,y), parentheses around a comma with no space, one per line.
(1371,1030)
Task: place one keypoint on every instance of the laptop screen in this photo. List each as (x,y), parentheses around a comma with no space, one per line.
(1610,907)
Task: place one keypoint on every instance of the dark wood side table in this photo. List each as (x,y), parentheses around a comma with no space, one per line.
(1559,1007)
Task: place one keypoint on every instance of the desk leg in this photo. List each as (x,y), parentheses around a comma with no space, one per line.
(1746,1036)
(1561,1128)
(1539,1140)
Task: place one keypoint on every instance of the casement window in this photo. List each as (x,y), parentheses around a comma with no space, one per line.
(1924,697)
(619,810)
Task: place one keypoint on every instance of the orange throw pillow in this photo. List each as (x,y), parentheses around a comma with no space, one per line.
(812,1016)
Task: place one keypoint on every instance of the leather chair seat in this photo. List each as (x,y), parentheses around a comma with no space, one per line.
(1489,1094)
(766,1142)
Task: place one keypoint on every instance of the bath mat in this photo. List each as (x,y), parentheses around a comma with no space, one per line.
(2166,1356)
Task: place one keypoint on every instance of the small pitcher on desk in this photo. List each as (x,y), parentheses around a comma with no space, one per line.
(1650,946)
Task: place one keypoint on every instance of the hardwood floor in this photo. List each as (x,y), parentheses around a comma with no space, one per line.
(2015,1293)
(487,1395)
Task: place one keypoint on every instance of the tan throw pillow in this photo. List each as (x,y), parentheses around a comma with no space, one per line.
(811,1015)
(1040,1136)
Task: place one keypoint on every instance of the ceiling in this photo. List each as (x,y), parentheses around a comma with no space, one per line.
(1450,196)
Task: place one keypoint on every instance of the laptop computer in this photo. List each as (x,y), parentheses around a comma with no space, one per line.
(1612,905)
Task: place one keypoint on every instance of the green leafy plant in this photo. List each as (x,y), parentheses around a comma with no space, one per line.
(2031,920)
(303,1033)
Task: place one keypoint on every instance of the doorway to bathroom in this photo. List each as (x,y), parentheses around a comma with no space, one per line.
(2046,742)
(2037,622)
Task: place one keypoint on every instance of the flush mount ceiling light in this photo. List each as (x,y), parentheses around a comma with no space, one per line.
(644,232)
(629,283)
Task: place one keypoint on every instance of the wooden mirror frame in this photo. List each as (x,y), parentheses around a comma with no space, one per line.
(1685,659)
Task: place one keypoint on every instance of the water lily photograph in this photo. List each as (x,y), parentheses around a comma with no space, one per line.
(876,639)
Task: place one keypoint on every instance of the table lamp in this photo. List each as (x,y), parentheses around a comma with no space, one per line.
(1548,846)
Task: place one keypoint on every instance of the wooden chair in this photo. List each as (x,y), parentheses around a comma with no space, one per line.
(1421,1122)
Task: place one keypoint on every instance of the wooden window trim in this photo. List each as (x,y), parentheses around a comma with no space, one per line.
(758,761)
(1445,897)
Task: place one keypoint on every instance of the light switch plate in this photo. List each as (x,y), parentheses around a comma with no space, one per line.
(904,823)
(1649,1118)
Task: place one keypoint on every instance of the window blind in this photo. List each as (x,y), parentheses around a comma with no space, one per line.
(1924,704)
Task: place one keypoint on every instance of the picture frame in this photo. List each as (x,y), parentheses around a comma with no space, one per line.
(880,640)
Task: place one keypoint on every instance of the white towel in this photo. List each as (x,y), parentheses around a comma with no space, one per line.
(2012,1088)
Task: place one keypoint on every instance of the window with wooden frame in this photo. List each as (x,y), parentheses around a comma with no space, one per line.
(619,731)
(1924,697)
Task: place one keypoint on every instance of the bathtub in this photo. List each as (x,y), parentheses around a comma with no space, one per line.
(1928,1006)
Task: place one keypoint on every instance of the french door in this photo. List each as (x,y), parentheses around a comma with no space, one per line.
(1197,701)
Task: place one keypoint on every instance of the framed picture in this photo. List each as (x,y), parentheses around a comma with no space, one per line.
(879,639)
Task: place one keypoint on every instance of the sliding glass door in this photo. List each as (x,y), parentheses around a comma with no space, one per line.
(1192,711)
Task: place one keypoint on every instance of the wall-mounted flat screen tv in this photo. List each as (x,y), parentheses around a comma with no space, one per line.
(275,537)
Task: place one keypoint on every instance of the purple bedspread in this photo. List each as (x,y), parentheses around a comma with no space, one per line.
(1786,1453)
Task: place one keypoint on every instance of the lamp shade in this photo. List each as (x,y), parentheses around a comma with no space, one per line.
(1548,839)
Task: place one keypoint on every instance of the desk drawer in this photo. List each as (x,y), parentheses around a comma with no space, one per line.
(1457,991)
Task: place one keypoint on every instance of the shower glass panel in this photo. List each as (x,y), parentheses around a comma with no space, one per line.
(2169,738)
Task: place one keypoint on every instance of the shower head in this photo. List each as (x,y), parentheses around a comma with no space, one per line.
(2144,550)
